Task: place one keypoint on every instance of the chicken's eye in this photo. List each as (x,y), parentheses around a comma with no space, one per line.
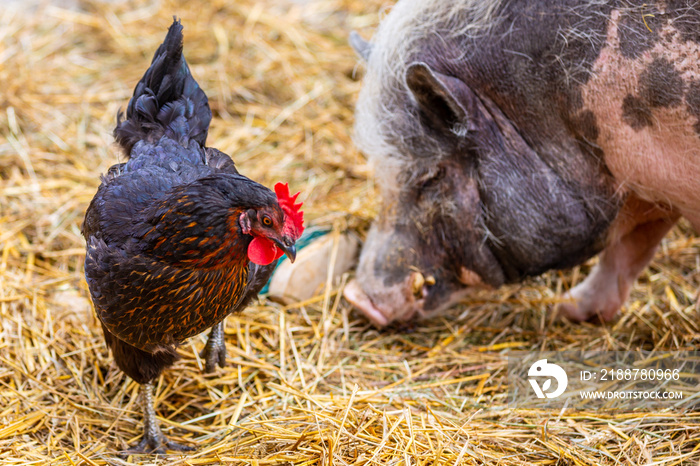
(266,221)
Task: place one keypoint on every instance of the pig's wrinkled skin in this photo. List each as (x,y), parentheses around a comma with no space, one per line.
(511,138)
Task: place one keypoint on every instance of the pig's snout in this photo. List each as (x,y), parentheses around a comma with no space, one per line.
(400,302)
(358,298)
(417,296)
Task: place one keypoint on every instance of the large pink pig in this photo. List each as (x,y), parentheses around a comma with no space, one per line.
(514,137)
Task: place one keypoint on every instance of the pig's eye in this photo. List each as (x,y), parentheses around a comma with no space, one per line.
(430,181)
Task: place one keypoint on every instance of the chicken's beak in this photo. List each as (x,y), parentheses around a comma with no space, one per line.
(288,247)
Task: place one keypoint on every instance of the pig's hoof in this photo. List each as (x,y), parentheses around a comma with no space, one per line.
(573,311)
(582,308)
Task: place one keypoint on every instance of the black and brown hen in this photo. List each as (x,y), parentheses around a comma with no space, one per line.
(176,238)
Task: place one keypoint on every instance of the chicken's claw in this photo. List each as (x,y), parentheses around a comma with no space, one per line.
(214,353)
(154,445)
(153,441)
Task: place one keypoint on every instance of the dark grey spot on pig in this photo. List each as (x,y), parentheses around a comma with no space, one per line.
(685,17)
(692,102)
(636,113)
(661,84)
(638,30)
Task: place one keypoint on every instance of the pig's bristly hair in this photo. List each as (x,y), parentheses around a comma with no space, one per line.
(410,25)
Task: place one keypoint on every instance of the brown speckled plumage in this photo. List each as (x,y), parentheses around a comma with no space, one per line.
(167,257)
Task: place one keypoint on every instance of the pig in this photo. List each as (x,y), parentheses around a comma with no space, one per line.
(510,138)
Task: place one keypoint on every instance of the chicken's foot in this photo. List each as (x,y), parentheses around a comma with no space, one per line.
(214,353)
(153,442)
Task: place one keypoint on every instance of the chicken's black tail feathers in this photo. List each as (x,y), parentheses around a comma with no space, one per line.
(167,100)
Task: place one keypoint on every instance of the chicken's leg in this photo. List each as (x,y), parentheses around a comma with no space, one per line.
(215,351)
(153,439)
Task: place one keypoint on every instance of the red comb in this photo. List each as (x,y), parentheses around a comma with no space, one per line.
(294,221)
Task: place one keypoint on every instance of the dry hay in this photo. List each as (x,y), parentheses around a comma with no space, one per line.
(311,383)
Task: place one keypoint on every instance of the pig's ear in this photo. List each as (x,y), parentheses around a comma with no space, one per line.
(361,46)
(443,99)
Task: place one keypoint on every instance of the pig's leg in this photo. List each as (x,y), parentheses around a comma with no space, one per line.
(635,235)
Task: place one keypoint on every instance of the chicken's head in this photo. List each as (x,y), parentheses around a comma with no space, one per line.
(275,228)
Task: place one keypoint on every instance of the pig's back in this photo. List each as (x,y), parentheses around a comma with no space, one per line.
(646,101)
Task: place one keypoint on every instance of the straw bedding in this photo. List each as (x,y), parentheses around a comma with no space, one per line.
(310,383)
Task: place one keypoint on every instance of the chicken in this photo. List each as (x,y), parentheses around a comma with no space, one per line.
(176,238)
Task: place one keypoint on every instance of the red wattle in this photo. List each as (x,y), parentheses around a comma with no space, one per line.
(263,251)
